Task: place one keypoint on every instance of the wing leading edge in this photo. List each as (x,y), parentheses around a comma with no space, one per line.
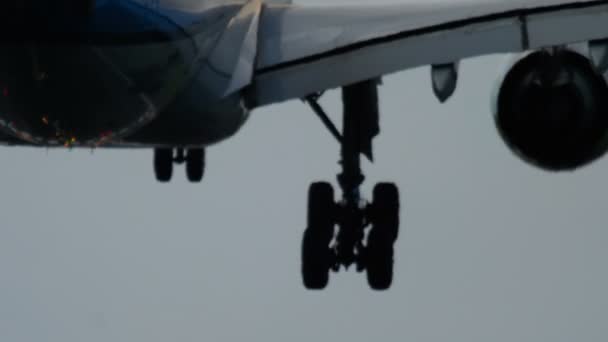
(305,50)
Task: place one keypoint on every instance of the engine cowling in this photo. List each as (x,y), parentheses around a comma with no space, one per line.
(552,110)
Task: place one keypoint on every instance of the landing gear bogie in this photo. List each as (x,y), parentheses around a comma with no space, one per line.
(378,221)
(166,158)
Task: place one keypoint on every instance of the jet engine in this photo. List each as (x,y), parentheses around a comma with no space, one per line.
(552,110)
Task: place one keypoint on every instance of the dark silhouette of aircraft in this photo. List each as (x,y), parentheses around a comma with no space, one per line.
(178,76)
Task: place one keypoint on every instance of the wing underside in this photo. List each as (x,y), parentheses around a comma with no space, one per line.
(306,50)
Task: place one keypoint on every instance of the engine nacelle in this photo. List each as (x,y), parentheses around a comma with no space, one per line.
(552,110)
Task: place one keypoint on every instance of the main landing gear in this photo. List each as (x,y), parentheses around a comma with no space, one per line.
(352,230)
(194,158)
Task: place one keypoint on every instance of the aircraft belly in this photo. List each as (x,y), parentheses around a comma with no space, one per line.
(87,95)
(196,118)
(134,75)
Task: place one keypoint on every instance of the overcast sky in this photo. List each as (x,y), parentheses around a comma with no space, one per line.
(93,249)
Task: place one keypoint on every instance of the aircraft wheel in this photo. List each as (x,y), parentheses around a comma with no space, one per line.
(379,265)
(384,233)
(316,255)
(195,164)
(385,211)
(163,164)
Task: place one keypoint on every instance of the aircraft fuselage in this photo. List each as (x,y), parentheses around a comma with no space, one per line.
(129,74)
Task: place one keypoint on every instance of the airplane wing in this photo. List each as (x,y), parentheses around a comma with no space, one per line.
(303,50)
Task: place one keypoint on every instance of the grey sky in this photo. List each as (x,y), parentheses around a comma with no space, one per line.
(93,249)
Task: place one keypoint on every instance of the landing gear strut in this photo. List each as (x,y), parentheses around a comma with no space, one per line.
(165,158)
(352,230)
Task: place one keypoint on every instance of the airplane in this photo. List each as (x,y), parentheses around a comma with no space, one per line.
(178,76)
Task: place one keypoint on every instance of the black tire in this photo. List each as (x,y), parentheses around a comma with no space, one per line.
(195,165)
(382,237)
(321,206)
(163,164)
(316,255)
(380,266)
(385,213)
(315,262)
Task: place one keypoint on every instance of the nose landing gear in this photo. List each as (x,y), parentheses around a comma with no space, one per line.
(165,158)
(366,232)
